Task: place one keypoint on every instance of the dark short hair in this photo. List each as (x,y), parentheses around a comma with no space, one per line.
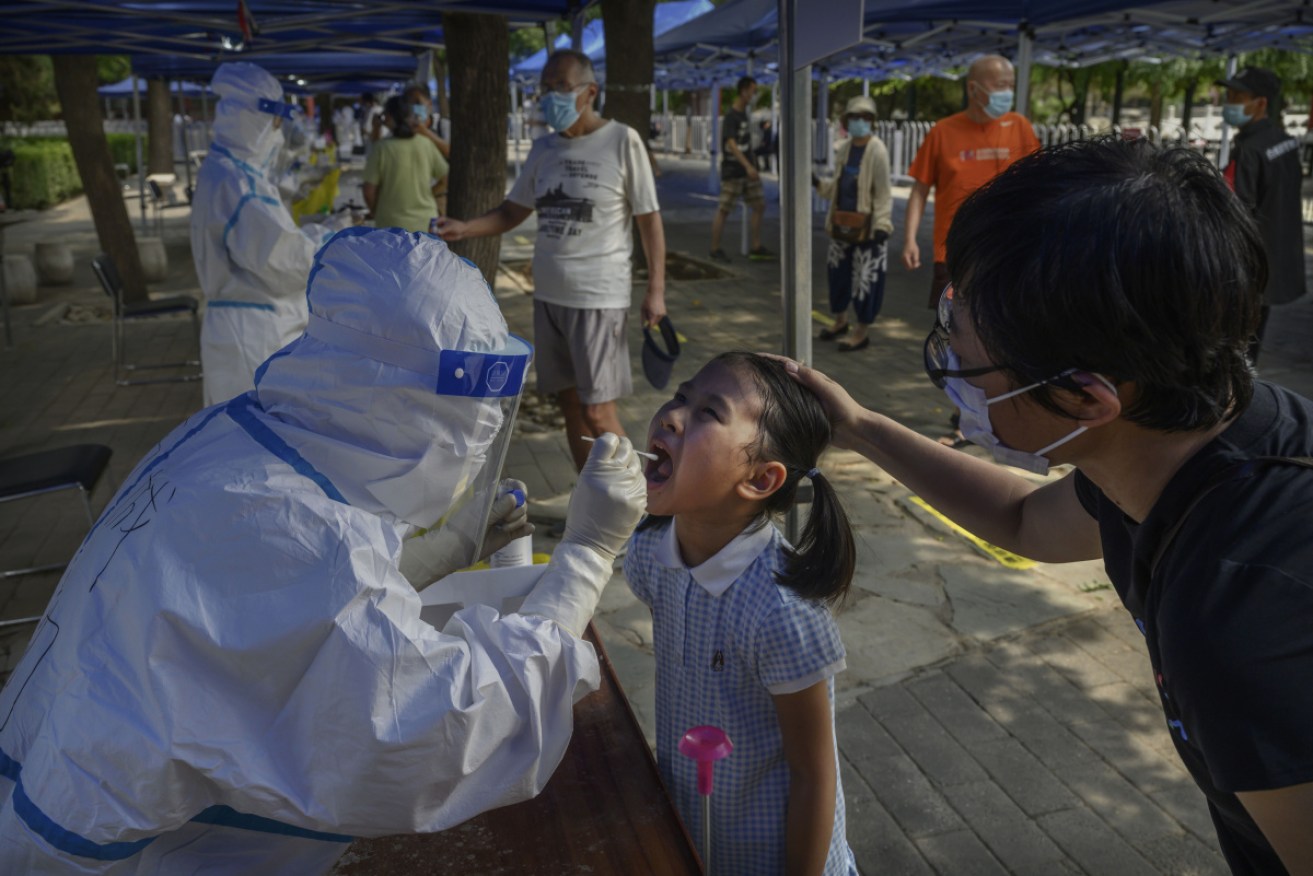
(744,83)
(398,110)
(585,63)
(1120,258)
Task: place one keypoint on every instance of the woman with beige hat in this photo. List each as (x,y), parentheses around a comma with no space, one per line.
(859,223)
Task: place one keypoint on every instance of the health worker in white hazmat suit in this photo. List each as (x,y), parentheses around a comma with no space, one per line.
(233,676)
(251,258)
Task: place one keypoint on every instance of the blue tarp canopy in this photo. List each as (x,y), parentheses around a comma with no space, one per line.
(305,71)
(906,38)
(212,28)
(666,16)
(123,88)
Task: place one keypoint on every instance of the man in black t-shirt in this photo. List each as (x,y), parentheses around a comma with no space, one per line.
(739,177)
(1103,297)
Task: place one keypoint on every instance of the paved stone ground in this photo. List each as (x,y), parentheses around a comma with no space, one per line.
(991,719)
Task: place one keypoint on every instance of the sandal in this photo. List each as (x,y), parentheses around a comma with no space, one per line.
(830,334)
(853,348)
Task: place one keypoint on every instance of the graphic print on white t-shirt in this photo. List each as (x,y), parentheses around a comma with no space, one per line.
(560,214)
(585,191)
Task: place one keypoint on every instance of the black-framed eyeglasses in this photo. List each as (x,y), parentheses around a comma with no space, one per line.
(937,348)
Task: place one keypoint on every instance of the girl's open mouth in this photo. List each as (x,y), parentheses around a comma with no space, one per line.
(658,470)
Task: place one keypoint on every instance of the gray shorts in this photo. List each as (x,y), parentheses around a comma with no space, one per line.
(587,349)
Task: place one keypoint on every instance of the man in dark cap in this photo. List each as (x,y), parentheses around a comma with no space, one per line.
(1264,173)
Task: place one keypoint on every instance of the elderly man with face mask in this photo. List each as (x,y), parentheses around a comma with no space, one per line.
(586,182)
(251,258)
(233,676)
(962,153)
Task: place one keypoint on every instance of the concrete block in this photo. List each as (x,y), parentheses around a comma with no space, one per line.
(1004,828)
(961,715)
(861,737)
(878,843)
(960,853)
(1027,781)
(54,263)
(900,786)
(154,259)
(886,640)
(1184,855)
(990,602)
(1093,845)
(928,743)
(20,279)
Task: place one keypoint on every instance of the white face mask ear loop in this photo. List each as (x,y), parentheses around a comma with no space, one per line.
(1063,440)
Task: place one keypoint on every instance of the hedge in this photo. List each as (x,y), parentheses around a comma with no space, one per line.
(44,172)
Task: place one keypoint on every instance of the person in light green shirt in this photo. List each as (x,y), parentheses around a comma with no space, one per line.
(401,171)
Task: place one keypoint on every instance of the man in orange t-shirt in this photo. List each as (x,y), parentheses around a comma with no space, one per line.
(962,153)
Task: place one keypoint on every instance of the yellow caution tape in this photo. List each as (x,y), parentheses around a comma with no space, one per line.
(1004,558)
(823,318)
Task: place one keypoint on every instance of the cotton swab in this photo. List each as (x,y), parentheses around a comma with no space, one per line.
(643,453)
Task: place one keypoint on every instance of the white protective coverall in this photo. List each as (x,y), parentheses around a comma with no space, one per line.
(251,258)
(233,677)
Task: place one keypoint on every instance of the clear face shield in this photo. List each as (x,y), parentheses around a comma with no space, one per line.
(497,380)
(454,448)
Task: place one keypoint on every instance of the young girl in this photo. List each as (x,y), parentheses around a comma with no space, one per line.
(744,639)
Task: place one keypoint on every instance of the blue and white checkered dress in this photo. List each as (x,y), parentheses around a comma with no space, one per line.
(728,638)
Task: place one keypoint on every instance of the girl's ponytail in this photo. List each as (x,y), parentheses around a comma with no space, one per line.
(821,565)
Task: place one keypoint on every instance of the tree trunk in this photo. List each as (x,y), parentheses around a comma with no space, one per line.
(1156,105)
(440,77)
(1185,114)
(1118,90)
(627,27)
(159,126)
(76,82)
(478,58)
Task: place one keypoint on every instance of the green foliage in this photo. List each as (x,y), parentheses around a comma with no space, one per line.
(44,172)
(113,68)
(27,88)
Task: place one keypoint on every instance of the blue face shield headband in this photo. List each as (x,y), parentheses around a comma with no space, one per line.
(461,373)
(277,108)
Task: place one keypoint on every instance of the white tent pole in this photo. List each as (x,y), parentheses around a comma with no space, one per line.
(713,179)
(866,88)
(667,132)
(1025,53)
(795,204)
(1224,151)
(136,131)
(515,124)
(577,32)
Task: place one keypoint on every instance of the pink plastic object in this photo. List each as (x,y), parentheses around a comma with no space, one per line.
(706,745)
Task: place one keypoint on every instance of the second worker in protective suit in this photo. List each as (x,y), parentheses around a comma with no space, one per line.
(233,677)
(251,258)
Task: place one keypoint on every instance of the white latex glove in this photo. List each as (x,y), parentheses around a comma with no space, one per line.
(509,517)
(609,498)
(439,552)
(606,505)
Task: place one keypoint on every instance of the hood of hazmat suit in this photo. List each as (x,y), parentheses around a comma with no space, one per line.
(232,675)
(251,258)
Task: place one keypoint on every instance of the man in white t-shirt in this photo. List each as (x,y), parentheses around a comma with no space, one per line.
(585,181)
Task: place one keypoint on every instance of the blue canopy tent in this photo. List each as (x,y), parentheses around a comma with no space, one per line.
(125,87)
(666,17)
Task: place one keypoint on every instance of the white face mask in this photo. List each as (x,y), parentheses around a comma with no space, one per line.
(976,428)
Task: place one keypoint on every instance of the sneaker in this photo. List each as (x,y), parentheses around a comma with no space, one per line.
(761,254)
(718,255)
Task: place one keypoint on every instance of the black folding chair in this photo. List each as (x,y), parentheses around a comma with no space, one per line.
(35,474)
(125,312)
